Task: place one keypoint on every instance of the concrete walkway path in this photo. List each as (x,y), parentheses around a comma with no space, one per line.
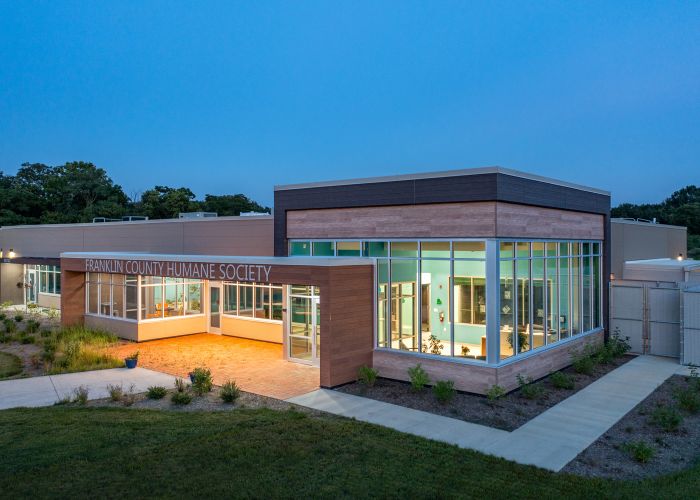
(47,390)
(550,440)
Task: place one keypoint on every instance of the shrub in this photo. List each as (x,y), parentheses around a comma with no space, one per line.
(667,419)
(419,378)
(10,326)
(32,326)
(639,451)
(495,392)
(528,389)
(129,398)
(584,363)
(156,392)
(229,392)
(561,380)
(180,385)
(27,339)
(115,392)
(367,376)
(181,398)
(201,381)
(617,345)
(80,395)
(45,333)
(3,316)
(444,391)
(19,318)
(688,399)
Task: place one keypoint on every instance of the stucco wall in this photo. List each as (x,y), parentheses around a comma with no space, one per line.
(639,241)
(10,275)
(251,329)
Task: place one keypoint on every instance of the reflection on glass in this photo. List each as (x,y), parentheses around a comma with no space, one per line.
(538,309)
(552,302)
(404,334)
(435,307)
(523,342)
(507,311)
(323,248)
(469,291)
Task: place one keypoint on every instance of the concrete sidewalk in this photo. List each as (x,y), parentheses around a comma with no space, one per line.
(45,391)
(550,440)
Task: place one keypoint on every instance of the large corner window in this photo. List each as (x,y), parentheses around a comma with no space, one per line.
(117,296)
(253,300)
(45,279)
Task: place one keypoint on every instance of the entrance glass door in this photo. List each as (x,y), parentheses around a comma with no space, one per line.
(31,286)
(304,325)
(215,307)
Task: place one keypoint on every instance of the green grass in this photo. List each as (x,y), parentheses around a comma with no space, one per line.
(78,349)
(9,365)
(68,451)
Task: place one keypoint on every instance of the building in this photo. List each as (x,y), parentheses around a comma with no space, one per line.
(478,274)
(633,239)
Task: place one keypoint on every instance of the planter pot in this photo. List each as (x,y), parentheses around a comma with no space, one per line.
(131,363)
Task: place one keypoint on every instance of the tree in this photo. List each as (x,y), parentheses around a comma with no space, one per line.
(231,204)
(164,202)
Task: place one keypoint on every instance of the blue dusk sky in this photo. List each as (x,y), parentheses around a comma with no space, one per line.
(235,97)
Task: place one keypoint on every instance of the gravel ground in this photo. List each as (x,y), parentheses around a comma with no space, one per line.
(673,451)
(207,402)
(508,413)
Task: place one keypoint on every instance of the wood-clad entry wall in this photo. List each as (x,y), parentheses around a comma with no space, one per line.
(445,220)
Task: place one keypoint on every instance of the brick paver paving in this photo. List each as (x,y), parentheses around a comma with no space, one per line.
(255,366)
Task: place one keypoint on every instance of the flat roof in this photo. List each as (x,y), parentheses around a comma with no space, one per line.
(444,173)
(185,220)
(224,259)
(685,264)
(623,220)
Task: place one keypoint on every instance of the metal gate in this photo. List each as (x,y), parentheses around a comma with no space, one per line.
(649,315)
(691,326)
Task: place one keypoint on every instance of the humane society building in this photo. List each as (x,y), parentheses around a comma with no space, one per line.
(477,274)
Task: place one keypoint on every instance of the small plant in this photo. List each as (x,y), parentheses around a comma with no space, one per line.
(688,399)
(639,451)
(667,419)
(584,363)
(62,401)
(694,378)
(367,376)
(80,395)
(129,398)
(156,392)
(528,389)
(116,392)
(3,316)
(45,333)
(180,385)
(229,392)
(419,378)
(495,392)
(561,380)
(201,381)
(434,345)
(134,356)
(444,391)
(27,339)
(465,351)
(19,318)
(32,326)
(181,398)
(617,345)
(10,326)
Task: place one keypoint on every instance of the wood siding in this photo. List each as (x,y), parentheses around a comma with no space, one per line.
(445,220)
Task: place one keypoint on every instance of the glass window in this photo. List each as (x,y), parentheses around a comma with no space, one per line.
(348,248)
(507,310)
(435,249)
(538,304)
(575,295)
(538,249)
(587,291)
(93,298)
(245,301)
(523,342)
(436,330)
(552,302)
(299,248)
(564,249)
(376,249)
(523,250)
(404,249)
(404,334)
(230,298)
(551,249)
(131,308)
(469,249)
(469,293)
(323,248)
(194,298)
(596,292)
(118,300)
(506,250)
(564,319)
(277,303)
(382,301)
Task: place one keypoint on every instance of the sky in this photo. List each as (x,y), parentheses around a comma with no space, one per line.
(236,97)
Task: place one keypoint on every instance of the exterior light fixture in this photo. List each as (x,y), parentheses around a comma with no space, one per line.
(11,253)
(680,256)
(612,276)
(2,253)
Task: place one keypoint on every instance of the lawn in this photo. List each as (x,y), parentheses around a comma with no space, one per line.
(9,365)
(65,452)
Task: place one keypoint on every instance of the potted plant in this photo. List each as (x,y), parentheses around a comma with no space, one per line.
(131,360)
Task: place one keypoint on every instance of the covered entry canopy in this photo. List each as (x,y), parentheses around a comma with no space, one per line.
(346,288)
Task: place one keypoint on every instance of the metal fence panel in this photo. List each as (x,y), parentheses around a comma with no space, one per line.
(691,327)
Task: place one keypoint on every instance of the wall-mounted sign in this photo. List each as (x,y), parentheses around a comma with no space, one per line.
(257,273)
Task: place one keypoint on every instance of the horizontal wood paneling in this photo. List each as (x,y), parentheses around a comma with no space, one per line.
(522,221)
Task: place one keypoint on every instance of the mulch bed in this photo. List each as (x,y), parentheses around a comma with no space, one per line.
(673,451)
(206,402)
(508,412)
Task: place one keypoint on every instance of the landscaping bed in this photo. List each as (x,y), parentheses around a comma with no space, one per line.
(505,412)
(661,435)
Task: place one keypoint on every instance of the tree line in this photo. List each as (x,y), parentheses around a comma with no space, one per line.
(80,191)
(682,208)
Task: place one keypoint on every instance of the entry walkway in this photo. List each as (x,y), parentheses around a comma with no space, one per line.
(257,367)
(550,440)
(47,390)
